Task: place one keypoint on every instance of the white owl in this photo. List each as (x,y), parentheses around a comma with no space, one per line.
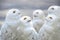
(54,10)
(26,30)
(12,21)
(47,30)
(38,19)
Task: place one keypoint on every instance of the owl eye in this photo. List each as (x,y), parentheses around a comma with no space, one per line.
(25,18)
(52,8)
(50,17)
(37,12)
(14,11)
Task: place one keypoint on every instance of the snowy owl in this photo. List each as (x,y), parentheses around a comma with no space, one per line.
(38,19)
(54,10)
(26,30)
(47,30)
(11,22)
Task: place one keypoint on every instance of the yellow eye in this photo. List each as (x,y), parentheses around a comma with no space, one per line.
(25,18)
(14,11)
(50,17)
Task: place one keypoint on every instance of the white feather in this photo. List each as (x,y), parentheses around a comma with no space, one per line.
(47,30)
(38,19)
(27,32)
(12,21)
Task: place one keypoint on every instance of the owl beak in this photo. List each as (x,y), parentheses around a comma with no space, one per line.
(35,15)
(28,20)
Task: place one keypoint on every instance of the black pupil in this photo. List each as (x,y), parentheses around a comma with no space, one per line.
(24,18)
(50,17)
(52,8)
(13,11)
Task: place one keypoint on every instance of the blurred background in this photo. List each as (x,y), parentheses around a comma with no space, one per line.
(26,6)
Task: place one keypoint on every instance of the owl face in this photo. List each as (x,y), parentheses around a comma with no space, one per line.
(51,18)
(52,9)
(26,19)
(13,14)
(38,13)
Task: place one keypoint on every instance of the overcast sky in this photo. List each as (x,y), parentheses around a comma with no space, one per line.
(28,4)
